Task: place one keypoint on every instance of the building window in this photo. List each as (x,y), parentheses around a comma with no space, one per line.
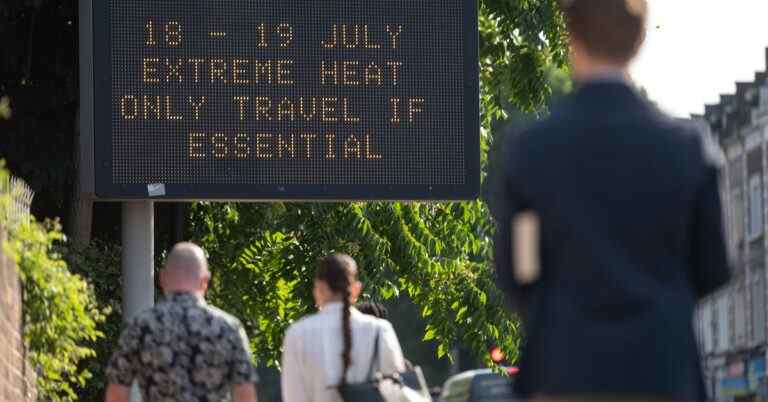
(755,207)
(758,310)
(737,219)
(726,329)
(706,325)
(732,318)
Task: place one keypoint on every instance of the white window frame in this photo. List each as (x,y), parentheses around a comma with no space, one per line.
(755,207)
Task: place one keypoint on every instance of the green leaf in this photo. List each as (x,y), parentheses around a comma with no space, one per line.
(436,253)
(441,350)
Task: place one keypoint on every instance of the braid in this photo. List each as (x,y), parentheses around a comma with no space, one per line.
(339,272)
(346,358)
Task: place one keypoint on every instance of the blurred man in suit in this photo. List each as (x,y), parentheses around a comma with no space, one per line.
(609,229)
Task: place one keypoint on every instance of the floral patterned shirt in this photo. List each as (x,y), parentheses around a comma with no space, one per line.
(183,350)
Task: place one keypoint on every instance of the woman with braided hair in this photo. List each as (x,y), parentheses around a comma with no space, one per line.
(335,346)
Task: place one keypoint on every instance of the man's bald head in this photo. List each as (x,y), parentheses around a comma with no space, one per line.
(187,259)
(186,269)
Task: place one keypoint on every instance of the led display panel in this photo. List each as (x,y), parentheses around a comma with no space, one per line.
(286,99)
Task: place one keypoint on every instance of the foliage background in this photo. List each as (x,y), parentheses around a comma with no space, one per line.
(60,312)
(434,255)
(99,262)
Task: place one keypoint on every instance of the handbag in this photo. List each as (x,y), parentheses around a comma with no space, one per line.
(386,388)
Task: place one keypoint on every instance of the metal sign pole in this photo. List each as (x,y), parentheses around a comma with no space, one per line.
(138,262)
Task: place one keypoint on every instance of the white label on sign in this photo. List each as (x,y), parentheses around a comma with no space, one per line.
(156,189)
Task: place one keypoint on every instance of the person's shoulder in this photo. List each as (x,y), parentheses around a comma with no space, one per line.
(537,134)
(559,119)
(371,321)
(147,316)
(303,325)
(225,324)
(549,125)
(695,136)
(561,114)
(222,316)
(661,121)
(664,121)
(384,325)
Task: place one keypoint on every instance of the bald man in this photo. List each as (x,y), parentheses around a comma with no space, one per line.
(183,349)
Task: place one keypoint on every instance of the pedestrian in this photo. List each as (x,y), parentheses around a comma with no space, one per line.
(338,345)
(609,229)
(413,376)
(183,350)
(375,309)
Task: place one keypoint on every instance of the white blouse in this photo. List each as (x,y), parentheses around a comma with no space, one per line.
(311,363)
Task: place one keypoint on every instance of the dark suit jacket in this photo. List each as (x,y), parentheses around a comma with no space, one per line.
(631,238)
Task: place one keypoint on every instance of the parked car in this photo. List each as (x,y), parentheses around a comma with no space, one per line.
(482,385)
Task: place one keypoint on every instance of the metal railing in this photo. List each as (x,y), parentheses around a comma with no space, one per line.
(20,200)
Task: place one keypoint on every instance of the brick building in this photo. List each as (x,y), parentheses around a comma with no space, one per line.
(732,324)
(17,377)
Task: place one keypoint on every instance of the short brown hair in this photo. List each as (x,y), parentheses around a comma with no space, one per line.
(609,29)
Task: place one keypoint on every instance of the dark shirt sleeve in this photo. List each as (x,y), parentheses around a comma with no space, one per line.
(123,365)
(242,369)
(709,252)
(507,201)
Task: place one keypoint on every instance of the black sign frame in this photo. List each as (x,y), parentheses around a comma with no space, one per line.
(106,189)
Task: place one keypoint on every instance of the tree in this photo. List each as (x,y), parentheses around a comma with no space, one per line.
(61,317)
(438,254)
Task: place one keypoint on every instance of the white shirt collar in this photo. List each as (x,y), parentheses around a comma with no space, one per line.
(332,307)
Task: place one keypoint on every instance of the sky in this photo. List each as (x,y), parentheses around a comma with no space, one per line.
(698,49)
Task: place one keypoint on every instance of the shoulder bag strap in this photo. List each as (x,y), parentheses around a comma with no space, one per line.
(375,356)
